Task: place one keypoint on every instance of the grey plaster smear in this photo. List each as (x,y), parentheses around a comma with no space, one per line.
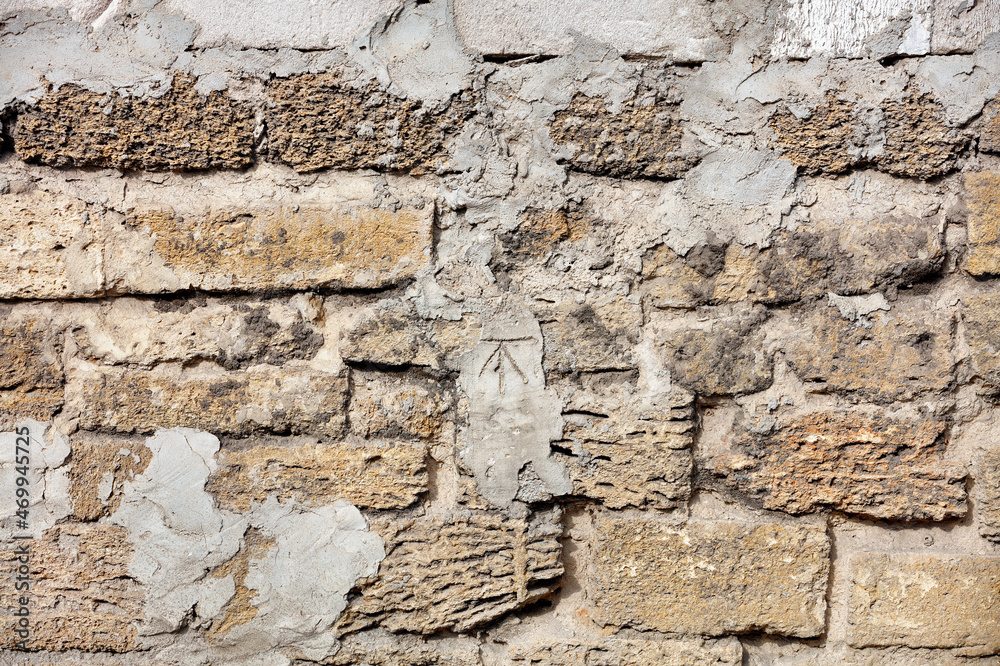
(179,536)
(48,484)
(513,417)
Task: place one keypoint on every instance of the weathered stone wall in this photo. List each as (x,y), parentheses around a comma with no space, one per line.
(482,332)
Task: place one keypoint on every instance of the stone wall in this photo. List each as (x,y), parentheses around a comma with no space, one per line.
(481,332)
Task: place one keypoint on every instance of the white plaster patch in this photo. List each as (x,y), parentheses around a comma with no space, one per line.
(47,489)
(854,307)
(854,28)
(512,416)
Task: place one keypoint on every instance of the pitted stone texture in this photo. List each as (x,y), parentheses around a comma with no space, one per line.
(289,400)
(589,338)
(179,130)
(378,648)
(981,314)
(726,357)
(983,194)
(82,595)
(234,333)
(627,450)
(917,143)
(50,247)
(989,136)
(457,572)
(372,475)
(932,601)
(988,495)
(31,369)
(680,30)
(381,407)
(843,257)
(100,467)
(827,142)
(642,139)
(897,355)
(708,577)
(637,652)
(319,121)
(261,248)
(395,335)
(873,467)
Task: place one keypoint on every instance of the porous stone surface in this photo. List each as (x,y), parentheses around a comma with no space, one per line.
(467,332)
(180,130)
(709,577)
(868,466)
(321,120)
(262,399)
(457,572)
(895,598)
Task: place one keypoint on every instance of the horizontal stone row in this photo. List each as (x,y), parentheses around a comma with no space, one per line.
(805,27)
(459,571)
(331,121)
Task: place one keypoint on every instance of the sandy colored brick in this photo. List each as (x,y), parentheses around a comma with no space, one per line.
(895,355)
(619,651)
(641,139)
(178,130)
(100,466)
(708,577)
(989,129)
(844,257)
(457,572)
(82,596)
(234,332)
(725,357)
(981,315)
(50,247)
(918,143)
(289,400)
(933,601)
(318,121)
(370,475)
(869,466)
(379,648)
(589,338)
(395,335)
(382,407)
(628,451)
(31,370)
(988,495)
(265,248)
(983,199)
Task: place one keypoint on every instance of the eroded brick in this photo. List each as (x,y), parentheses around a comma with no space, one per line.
(282,247)
(179,130)
(82,594)
(934,601)
(376,648)
(100,465)
(370,475)
(983,197)
(710,578)
(988,495)
(31,370)
(894,356)
(457,572)
(868,466)
(628,451)
(290,400)
(726,357)
(642,139)
(619,651)
(588,338)
(827,142)
(395,335)
(382,407)
(50,247)
(318,121)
